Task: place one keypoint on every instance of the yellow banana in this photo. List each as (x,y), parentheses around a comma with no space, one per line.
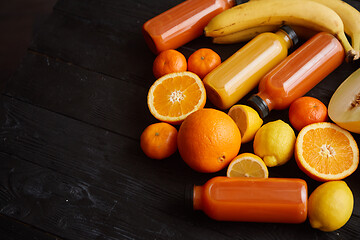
(277,12)
(350,17)
(244,35)
(248,34)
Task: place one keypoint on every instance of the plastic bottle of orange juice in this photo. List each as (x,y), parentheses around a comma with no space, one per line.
(277,200)
(182,23)
(298,73)
(240,73)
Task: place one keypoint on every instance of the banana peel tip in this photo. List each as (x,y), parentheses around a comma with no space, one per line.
(352,56)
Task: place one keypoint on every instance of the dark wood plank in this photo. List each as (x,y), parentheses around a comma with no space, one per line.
(124,55)
(11,229)
(63,204)
(116,16)
(113,104)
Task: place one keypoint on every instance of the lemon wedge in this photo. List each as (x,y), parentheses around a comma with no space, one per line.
(247,165)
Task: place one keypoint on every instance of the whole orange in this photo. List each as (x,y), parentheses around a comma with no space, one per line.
(203,61)
(208,140)
(306,110)
(169,61)
(159,140)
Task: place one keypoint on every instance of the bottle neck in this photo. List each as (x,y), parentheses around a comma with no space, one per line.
(267,99)
(285,37)
(262,103)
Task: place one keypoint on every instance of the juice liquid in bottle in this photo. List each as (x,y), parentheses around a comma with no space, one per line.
(182,23)
(298,73)
(241,72)
(276,200)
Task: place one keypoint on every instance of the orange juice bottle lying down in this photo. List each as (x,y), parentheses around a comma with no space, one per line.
(241,72)
(298,73)
(182,23)
(277,200)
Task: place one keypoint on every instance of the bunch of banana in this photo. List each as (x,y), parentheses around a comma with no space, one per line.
(243,22)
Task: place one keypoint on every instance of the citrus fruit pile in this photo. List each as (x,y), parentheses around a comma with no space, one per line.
(209,140)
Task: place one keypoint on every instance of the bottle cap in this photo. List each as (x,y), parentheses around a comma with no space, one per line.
(238,2)
(189,196)
(259,105)
(291,33)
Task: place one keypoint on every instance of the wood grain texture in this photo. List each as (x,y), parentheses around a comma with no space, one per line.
(123,55)
(70,122)
(113,104)
(11,229)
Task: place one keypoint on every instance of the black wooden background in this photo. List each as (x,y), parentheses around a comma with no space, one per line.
(70,122)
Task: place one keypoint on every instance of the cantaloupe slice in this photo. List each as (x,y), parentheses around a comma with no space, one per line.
(344,105)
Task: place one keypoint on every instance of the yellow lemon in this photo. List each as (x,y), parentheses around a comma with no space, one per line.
(247,120)
(247,165)
(330,206)
(274,142)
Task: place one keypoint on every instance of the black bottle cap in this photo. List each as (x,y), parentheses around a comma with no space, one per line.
(291,33)
(189,196)
(238,2)
(259,105)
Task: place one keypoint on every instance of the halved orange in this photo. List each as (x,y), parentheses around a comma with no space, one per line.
(325,152)
(247,165)
(175,96)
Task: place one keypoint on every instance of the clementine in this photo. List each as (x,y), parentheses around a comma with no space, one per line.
(176,95)
(324,151)
(159,140)
(208,140)
(169,61)
(306,110)
(203,61)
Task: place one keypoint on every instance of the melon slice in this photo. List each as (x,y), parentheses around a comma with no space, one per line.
(344,105)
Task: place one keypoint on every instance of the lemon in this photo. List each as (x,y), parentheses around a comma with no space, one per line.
(247,165)
(247,120)
(274,142)
(330,206)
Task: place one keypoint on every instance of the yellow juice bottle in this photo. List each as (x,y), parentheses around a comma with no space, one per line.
(240,73)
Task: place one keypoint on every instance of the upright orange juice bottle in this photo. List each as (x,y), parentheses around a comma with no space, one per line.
(182,23)
(298,73)
(240,73)
(276,200)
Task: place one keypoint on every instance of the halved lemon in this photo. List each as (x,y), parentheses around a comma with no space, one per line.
(247,120)
(247,165)
(175,96)
(325,151)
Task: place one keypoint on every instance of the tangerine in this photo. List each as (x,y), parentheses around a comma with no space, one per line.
(169,61)
(203,61)
(306,110)
(159,140)
(208,140)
